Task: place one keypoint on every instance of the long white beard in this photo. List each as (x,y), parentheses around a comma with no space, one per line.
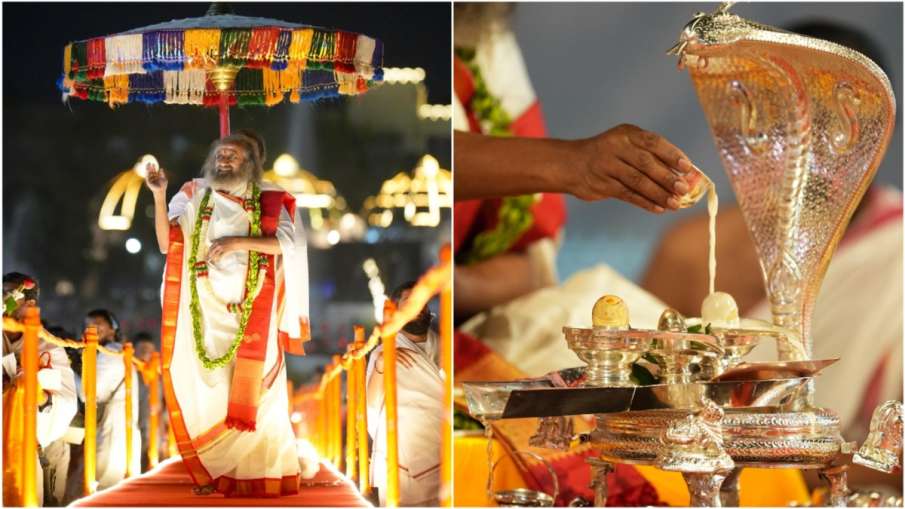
(233,183)
(233,188)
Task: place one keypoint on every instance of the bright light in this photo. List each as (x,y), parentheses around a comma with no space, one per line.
(403,75)
(375,285)
(114,223)
(430,165)
(296,417)
(347,222)
(333,237)
(285,166)
(65,287)
(386,218)
(141,167)
(409,211)
(438,112)
(133,245)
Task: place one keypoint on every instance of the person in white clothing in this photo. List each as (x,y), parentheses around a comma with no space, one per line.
(111,404)
(419,396)
(235,302)
(57,401)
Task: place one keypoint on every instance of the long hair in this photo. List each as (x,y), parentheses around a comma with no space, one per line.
(252,167)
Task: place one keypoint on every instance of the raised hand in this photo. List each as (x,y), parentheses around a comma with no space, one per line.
(156,179)
(633,165)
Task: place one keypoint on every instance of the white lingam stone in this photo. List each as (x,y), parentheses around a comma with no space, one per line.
(720,310)
(610,312)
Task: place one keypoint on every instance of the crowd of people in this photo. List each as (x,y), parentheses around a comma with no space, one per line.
(61,414)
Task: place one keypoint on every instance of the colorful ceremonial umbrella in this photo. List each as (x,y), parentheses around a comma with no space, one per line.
(221,60)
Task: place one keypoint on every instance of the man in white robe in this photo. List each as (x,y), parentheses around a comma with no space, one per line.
(419,396)
(56,378)
(225,387)
(111,404)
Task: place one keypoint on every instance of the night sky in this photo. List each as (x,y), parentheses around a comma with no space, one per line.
(34,35)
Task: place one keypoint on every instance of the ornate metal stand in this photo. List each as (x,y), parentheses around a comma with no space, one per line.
(599,470)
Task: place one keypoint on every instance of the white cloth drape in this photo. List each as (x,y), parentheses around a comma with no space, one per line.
(203,394)
(52,421)
(419,393)
(111,426)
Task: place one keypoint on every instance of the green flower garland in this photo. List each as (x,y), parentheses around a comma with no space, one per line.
(515,216)
(251,282)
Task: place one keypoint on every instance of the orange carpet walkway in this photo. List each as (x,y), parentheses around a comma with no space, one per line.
(170,485)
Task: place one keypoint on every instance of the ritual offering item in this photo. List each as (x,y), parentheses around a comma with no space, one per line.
(801,126)
(699,184)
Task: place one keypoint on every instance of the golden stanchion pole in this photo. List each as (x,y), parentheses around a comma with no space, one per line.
(351,412)
(389,391)
(361,414)
(336,430)
(446,314)
(128,352)
(335,426)
(30,439)
(154,414)
(89,383)
(321,424)
(328,421)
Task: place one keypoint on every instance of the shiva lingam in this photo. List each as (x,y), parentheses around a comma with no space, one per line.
(801,126)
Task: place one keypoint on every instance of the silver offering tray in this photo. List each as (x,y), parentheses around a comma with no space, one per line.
(539,398)
(683,357)
(610,353)
(738,341)
(487,400)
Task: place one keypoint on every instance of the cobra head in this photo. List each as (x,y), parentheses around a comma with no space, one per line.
(801,126)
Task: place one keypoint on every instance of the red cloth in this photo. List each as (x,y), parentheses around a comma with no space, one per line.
(625,486)
(171,485)
(475,216)
(245,390)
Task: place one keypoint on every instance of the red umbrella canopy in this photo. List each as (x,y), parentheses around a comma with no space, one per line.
(221,59)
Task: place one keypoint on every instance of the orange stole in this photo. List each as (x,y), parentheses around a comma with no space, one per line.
(246,388)
(171,293)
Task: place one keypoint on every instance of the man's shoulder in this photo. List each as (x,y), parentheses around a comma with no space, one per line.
(270,187)
(193,186)
(57,353)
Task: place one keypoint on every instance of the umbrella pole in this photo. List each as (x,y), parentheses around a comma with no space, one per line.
(224,115)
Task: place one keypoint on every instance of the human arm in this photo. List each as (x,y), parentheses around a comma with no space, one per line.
(502,278)
(224,245)
(156,181)
(53,420)
(405,359)
(625,162)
